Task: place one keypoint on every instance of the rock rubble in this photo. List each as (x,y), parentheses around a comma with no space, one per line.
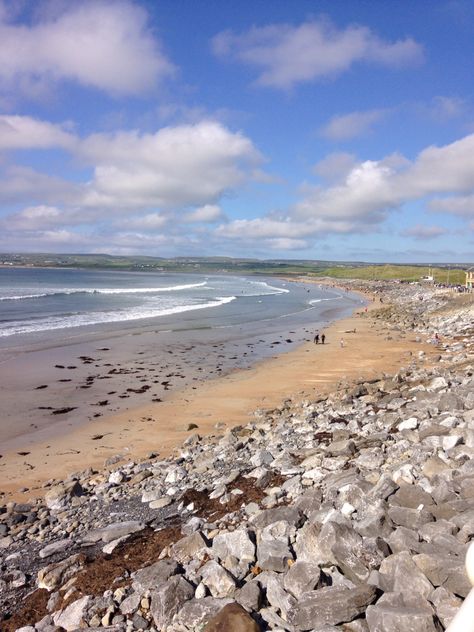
(353,512)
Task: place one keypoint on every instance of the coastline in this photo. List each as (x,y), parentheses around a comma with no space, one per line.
(308,371)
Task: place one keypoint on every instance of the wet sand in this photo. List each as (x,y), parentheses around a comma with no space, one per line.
(308,371)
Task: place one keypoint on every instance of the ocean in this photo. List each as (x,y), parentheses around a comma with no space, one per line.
(41,304)
(103,341)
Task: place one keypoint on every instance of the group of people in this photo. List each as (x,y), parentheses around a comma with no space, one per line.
(322,337)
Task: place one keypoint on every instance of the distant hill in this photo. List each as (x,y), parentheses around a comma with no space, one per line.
(453,274)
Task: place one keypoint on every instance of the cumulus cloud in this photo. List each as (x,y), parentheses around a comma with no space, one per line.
(23,185)
(24,132)
(187,165)
(181,166)
(206,213)
(365,196)
(443,108)
(373,188)
(154,184)
(103,45)
(32,218)
(423,233)
(149,222)
(460,205)
(335,166)
(287,55)
(278,233)
(351,125)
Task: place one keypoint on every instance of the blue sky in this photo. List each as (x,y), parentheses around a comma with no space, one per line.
(266,128)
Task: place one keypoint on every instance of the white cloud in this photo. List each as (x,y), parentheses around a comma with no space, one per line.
(32,218)
(373,188)
(351,125)
(423,233)
(287,55)
(23,185)
(283,243)
(460,205)
(206,213)
(24,132)
(444,108)
(335,166)
(361,202)
(157,184)
(262,228)
(272,232)
(180,166)
(151,221)
(99,44)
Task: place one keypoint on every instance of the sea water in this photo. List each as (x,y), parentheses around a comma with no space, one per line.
(41,303)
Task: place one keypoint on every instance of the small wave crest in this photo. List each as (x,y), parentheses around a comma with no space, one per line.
(319,300)
(81,320)
(120,290)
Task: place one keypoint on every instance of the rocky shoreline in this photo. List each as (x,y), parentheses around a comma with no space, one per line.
(352,512)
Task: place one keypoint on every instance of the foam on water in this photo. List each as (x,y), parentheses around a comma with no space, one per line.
(138,290)
(95,318)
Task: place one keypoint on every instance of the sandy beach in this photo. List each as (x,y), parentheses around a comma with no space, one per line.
(310,370)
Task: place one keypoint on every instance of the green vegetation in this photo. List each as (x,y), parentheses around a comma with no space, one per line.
(453,274)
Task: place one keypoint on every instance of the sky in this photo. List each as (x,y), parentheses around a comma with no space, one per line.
(267,129)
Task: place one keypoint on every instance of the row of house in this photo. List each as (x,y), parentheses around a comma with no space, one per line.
(470,279)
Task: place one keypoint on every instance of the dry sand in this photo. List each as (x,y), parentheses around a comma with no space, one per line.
(309,371)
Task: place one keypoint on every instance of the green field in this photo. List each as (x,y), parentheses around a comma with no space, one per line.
(226,265)
(454,276)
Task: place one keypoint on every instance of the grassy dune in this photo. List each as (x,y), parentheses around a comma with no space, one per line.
(390,271)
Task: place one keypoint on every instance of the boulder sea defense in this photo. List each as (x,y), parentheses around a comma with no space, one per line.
(350,512)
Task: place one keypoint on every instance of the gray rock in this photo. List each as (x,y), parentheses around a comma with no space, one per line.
(55,547)
(301,578)
(401,575)
(353,555)
(410,518)
(236,544)
(72,617)
(396,612)
(384,488)
(195,613)
(446,605)
(249,596)
(130,604)
(58,496)
(277,596)
(291,515)
(188,547)
(329,606)
(217,579)
(403,539)
(374,522)
(314,545)
(153,575)
(273,556)
(444,570)
(55,575)
(112,532)
(411,496)
(159,503)
(168,599)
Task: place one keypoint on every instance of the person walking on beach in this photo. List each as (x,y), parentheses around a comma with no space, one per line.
(323,338)
(341,342)
(316,339)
